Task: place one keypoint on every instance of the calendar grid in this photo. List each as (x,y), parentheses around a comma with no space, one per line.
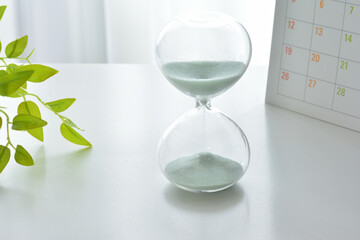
(323,80)
(311,40)
(287,3)
(337,67)
(299,20)
(355,4)
(303,101)
(317,70)
(313,104)
(323,53)
(317,55)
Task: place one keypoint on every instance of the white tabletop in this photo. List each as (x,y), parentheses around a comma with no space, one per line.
(302,183)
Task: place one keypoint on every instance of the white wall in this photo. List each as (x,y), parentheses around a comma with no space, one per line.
(63,30)
(8,24)
(121,31)
(138,22)
(128,32)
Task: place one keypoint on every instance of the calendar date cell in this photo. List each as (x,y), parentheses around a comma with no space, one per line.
(319,92)
(329,13)
(326,40)
(345,100)
(301,10)
(291,84)
(295,59)
(350,46)
(352,18)
(298,33)
(322,66)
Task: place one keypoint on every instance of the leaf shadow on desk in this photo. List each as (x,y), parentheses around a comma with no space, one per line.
(73,172)
(22,201)
(204,202)
(75,158)
(70,160)
(66,166)
(38,171)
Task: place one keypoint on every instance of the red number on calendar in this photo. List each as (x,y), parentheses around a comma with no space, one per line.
(315,57)
(319,31)
(288,50)
(312,83)
(322,2)
(285,76)
(291,24)
(293,0)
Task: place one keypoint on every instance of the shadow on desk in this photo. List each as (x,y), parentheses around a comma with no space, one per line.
(204,202)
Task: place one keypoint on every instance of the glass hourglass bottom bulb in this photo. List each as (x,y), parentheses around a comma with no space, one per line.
(203,151)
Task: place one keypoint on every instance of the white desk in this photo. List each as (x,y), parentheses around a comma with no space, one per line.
(302,183)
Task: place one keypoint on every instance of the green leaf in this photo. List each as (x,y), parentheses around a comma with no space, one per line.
(3,72)
(71,135)
(11,68)
(10,83)
(19,93)
(70,123)
(17,47)
(0,122)
(41,72)
(0,46)
(30,54)
(61,105)
(2,10)
(4,157)
(26,122)
(31,108)
(22,156)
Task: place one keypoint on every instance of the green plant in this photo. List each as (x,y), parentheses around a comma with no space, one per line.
(13,84)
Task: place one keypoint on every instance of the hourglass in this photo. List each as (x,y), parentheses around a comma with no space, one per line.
(203,54)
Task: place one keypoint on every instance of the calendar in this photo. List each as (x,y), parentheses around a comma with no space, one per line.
(315,60)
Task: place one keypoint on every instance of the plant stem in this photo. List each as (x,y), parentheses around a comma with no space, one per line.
(7,130)
(63,118)
(26,105)
(2,59)
(43,103)
(30,53)
(18,58)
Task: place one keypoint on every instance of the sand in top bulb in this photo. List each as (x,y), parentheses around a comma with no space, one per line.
(203,78)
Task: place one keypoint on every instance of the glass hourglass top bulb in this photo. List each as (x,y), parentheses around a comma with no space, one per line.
(203,53)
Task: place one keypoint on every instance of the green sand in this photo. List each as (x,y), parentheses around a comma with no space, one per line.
(203,78)
(203,172)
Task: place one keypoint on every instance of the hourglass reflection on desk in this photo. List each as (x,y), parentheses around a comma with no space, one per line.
(203,54)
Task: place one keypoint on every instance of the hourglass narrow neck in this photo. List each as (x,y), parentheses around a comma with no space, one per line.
(203,103)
